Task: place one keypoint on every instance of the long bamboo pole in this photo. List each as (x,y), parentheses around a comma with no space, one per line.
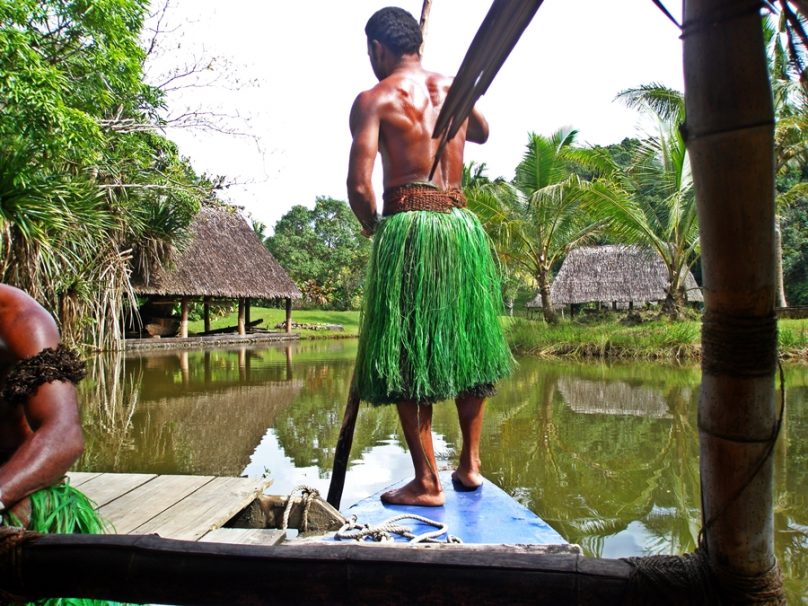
(729,132)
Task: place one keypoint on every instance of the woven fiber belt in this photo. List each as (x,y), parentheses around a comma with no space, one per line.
(421,197)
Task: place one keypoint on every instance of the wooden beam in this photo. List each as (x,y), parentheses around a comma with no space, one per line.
(206,304)
(184,304)
(242,330)
(149,569)
(288,314)
(247,306)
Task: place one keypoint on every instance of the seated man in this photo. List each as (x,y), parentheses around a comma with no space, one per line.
(40,434)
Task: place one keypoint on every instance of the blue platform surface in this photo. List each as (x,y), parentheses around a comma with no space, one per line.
(488,515)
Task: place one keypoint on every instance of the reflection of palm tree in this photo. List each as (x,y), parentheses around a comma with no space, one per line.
(109,398)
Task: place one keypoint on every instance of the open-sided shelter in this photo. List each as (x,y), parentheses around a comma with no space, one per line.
(224,260)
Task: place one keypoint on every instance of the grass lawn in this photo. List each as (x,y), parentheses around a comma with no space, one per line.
(607,338)
(655,339)
(271,317)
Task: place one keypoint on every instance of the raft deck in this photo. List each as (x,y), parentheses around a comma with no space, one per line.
(487,515)
(191,508)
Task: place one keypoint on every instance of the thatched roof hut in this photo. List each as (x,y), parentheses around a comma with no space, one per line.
(613,274)
(224,259)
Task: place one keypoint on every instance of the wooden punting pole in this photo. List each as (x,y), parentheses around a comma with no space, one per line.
(729,134)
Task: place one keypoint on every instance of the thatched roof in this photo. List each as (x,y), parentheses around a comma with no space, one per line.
(612,398)
(607,274)
(224,259)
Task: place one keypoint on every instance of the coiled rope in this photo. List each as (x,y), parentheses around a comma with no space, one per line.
(384,532)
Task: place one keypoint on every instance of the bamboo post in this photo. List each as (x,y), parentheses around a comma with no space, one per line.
(206,307)
(184,317)
(241,324)
(729,135)
(288,314)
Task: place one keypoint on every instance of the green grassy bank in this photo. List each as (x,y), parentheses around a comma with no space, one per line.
(270,317)
(606,338)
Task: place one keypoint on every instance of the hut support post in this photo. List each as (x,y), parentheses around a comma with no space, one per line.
(247,306)
(206,307)
(729,135)
(288,314)
(242,330)
(184,317)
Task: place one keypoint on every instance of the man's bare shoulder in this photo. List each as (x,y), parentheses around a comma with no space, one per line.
(25,326)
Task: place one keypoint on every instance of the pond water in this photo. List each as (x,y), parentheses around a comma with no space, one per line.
(606,454)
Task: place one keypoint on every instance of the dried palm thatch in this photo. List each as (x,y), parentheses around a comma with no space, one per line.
(614,274)
(224,259)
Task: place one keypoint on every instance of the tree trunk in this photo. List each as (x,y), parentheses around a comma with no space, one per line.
(546,303)
(729,133)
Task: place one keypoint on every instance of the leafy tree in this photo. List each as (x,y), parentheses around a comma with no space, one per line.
(538,218)
(78,144)
(323,251)
(652,202)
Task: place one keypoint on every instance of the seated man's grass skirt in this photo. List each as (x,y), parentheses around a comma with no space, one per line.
(62,509)
(430,327)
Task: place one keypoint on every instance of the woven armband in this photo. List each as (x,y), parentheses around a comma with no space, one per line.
(60,364)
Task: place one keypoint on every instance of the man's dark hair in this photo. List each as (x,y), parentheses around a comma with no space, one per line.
(396,29)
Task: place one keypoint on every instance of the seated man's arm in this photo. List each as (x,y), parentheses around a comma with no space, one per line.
(364,123)
(50,420)
(54,444)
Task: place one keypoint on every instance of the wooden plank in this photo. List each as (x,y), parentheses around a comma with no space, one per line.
(245,536)
(207,508)
(77,478)
(107,487)
(149,500)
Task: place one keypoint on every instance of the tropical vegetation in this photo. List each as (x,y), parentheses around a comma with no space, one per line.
(89,189)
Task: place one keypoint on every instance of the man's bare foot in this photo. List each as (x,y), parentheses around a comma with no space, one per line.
(415,493)
(466,480)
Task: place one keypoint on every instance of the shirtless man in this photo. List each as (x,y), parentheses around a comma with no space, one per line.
(40,434)
(396,118)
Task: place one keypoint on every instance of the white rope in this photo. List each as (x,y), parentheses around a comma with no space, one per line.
(383,532)
(307,496)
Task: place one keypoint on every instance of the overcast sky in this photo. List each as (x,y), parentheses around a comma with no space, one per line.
(290,71)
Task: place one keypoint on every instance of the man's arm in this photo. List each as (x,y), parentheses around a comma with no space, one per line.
(364,123)
(54,444)
(477,131)
(55,439)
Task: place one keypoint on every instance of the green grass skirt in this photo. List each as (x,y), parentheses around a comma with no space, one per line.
(430,327)
(62,509)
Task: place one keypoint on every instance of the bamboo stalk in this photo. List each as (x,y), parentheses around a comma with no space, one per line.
(729,135)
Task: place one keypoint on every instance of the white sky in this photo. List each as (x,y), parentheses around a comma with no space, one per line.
(300,64)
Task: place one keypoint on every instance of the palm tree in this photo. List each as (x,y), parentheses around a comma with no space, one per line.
(538,218)
(652,202)
(790,96)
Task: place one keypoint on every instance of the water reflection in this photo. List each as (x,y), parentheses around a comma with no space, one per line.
(607,454)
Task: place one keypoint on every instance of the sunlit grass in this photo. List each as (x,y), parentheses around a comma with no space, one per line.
(270,318)
(656,339)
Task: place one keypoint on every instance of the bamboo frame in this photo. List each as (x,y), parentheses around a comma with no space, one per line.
(729,132)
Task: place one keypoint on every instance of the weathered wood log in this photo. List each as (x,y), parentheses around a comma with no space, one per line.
(148,569)
(267,511)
